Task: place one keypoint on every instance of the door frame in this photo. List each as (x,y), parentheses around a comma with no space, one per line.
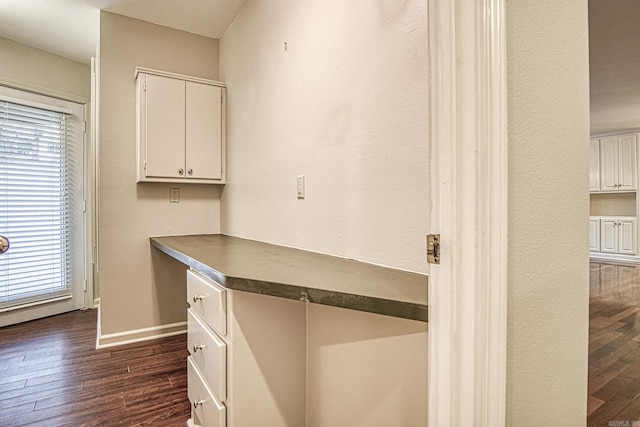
(39,309)
(468,140)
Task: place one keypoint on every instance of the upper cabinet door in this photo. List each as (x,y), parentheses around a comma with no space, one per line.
(181,128)
(594,165)
(627,162)
(204,129)
(609,164)
(165,127)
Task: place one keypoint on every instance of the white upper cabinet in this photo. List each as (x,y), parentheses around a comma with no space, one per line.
(618,164)
(181,128)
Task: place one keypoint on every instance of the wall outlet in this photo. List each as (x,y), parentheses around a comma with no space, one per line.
(174,195)
(300,186)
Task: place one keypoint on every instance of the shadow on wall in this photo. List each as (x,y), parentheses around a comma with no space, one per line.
(169,281)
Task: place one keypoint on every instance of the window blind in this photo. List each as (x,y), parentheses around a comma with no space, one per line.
(36,175)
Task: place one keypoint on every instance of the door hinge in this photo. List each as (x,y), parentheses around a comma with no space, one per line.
(433,249)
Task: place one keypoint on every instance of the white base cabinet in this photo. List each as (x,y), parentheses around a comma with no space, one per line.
(249,350)
(613,235)
(594,234)
(258,360)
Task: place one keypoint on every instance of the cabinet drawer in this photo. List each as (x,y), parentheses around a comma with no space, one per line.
(208,299)
(209,352)
(204,405)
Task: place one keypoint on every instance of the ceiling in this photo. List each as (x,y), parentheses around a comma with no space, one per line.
(70,28)
(614,64)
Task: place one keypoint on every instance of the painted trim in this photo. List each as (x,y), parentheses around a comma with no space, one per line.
(615,133)
(138,335)
(42,90)
(171,75)
(468,312)
(602,256)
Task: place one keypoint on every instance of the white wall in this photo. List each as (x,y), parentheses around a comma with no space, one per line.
(548,293)
(140,287)
(345,104)
(27,68)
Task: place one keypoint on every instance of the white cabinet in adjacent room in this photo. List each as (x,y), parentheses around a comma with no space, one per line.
(181,128)
(618,163)
(594,165)
(618,235)
(594,234)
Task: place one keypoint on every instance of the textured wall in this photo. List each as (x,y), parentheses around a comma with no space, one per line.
(43,72)
(548,109)
(139,290)
(344,103)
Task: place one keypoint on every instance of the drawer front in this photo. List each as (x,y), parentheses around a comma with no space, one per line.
(209,353)
(204,405)
(208,299)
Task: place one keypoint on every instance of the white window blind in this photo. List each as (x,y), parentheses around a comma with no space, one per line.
(36,176)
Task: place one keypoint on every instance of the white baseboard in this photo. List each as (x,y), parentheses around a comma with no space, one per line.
(599,256)
(138,335)
(96,303)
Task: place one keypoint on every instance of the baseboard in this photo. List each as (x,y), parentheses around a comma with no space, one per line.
(599,256)
(96,303)
(138,335)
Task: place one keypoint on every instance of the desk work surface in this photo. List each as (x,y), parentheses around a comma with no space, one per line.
(252,266)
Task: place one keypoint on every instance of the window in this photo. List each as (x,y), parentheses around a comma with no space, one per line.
(40,194)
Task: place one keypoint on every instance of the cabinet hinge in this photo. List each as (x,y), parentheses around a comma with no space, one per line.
(433,249)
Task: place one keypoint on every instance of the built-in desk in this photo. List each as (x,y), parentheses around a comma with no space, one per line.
(285,337)
(251,266)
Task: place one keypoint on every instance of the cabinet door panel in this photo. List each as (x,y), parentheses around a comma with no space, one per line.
(609,164)
(594,234)
(208,299)
(165,125)
(209,353)
(594,165)
(203,131)
(204,404)
(627,236)
(627,162)
(609,235)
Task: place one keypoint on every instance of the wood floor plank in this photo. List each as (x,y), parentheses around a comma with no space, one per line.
(614,345)
(52,375)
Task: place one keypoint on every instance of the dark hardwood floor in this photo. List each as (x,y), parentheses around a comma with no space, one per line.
(51,375)
(614,345)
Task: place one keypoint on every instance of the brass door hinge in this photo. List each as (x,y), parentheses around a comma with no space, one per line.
(433,249)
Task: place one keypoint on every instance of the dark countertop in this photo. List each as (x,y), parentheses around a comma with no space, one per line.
(251,266)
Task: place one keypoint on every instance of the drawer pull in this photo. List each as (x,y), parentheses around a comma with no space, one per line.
(197,403)
(198,347)
(197,298)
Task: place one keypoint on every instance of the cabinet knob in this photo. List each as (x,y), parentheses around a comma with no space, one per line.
(190,171)
(180,171)
(198,347)
(197,298)
(197,403)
